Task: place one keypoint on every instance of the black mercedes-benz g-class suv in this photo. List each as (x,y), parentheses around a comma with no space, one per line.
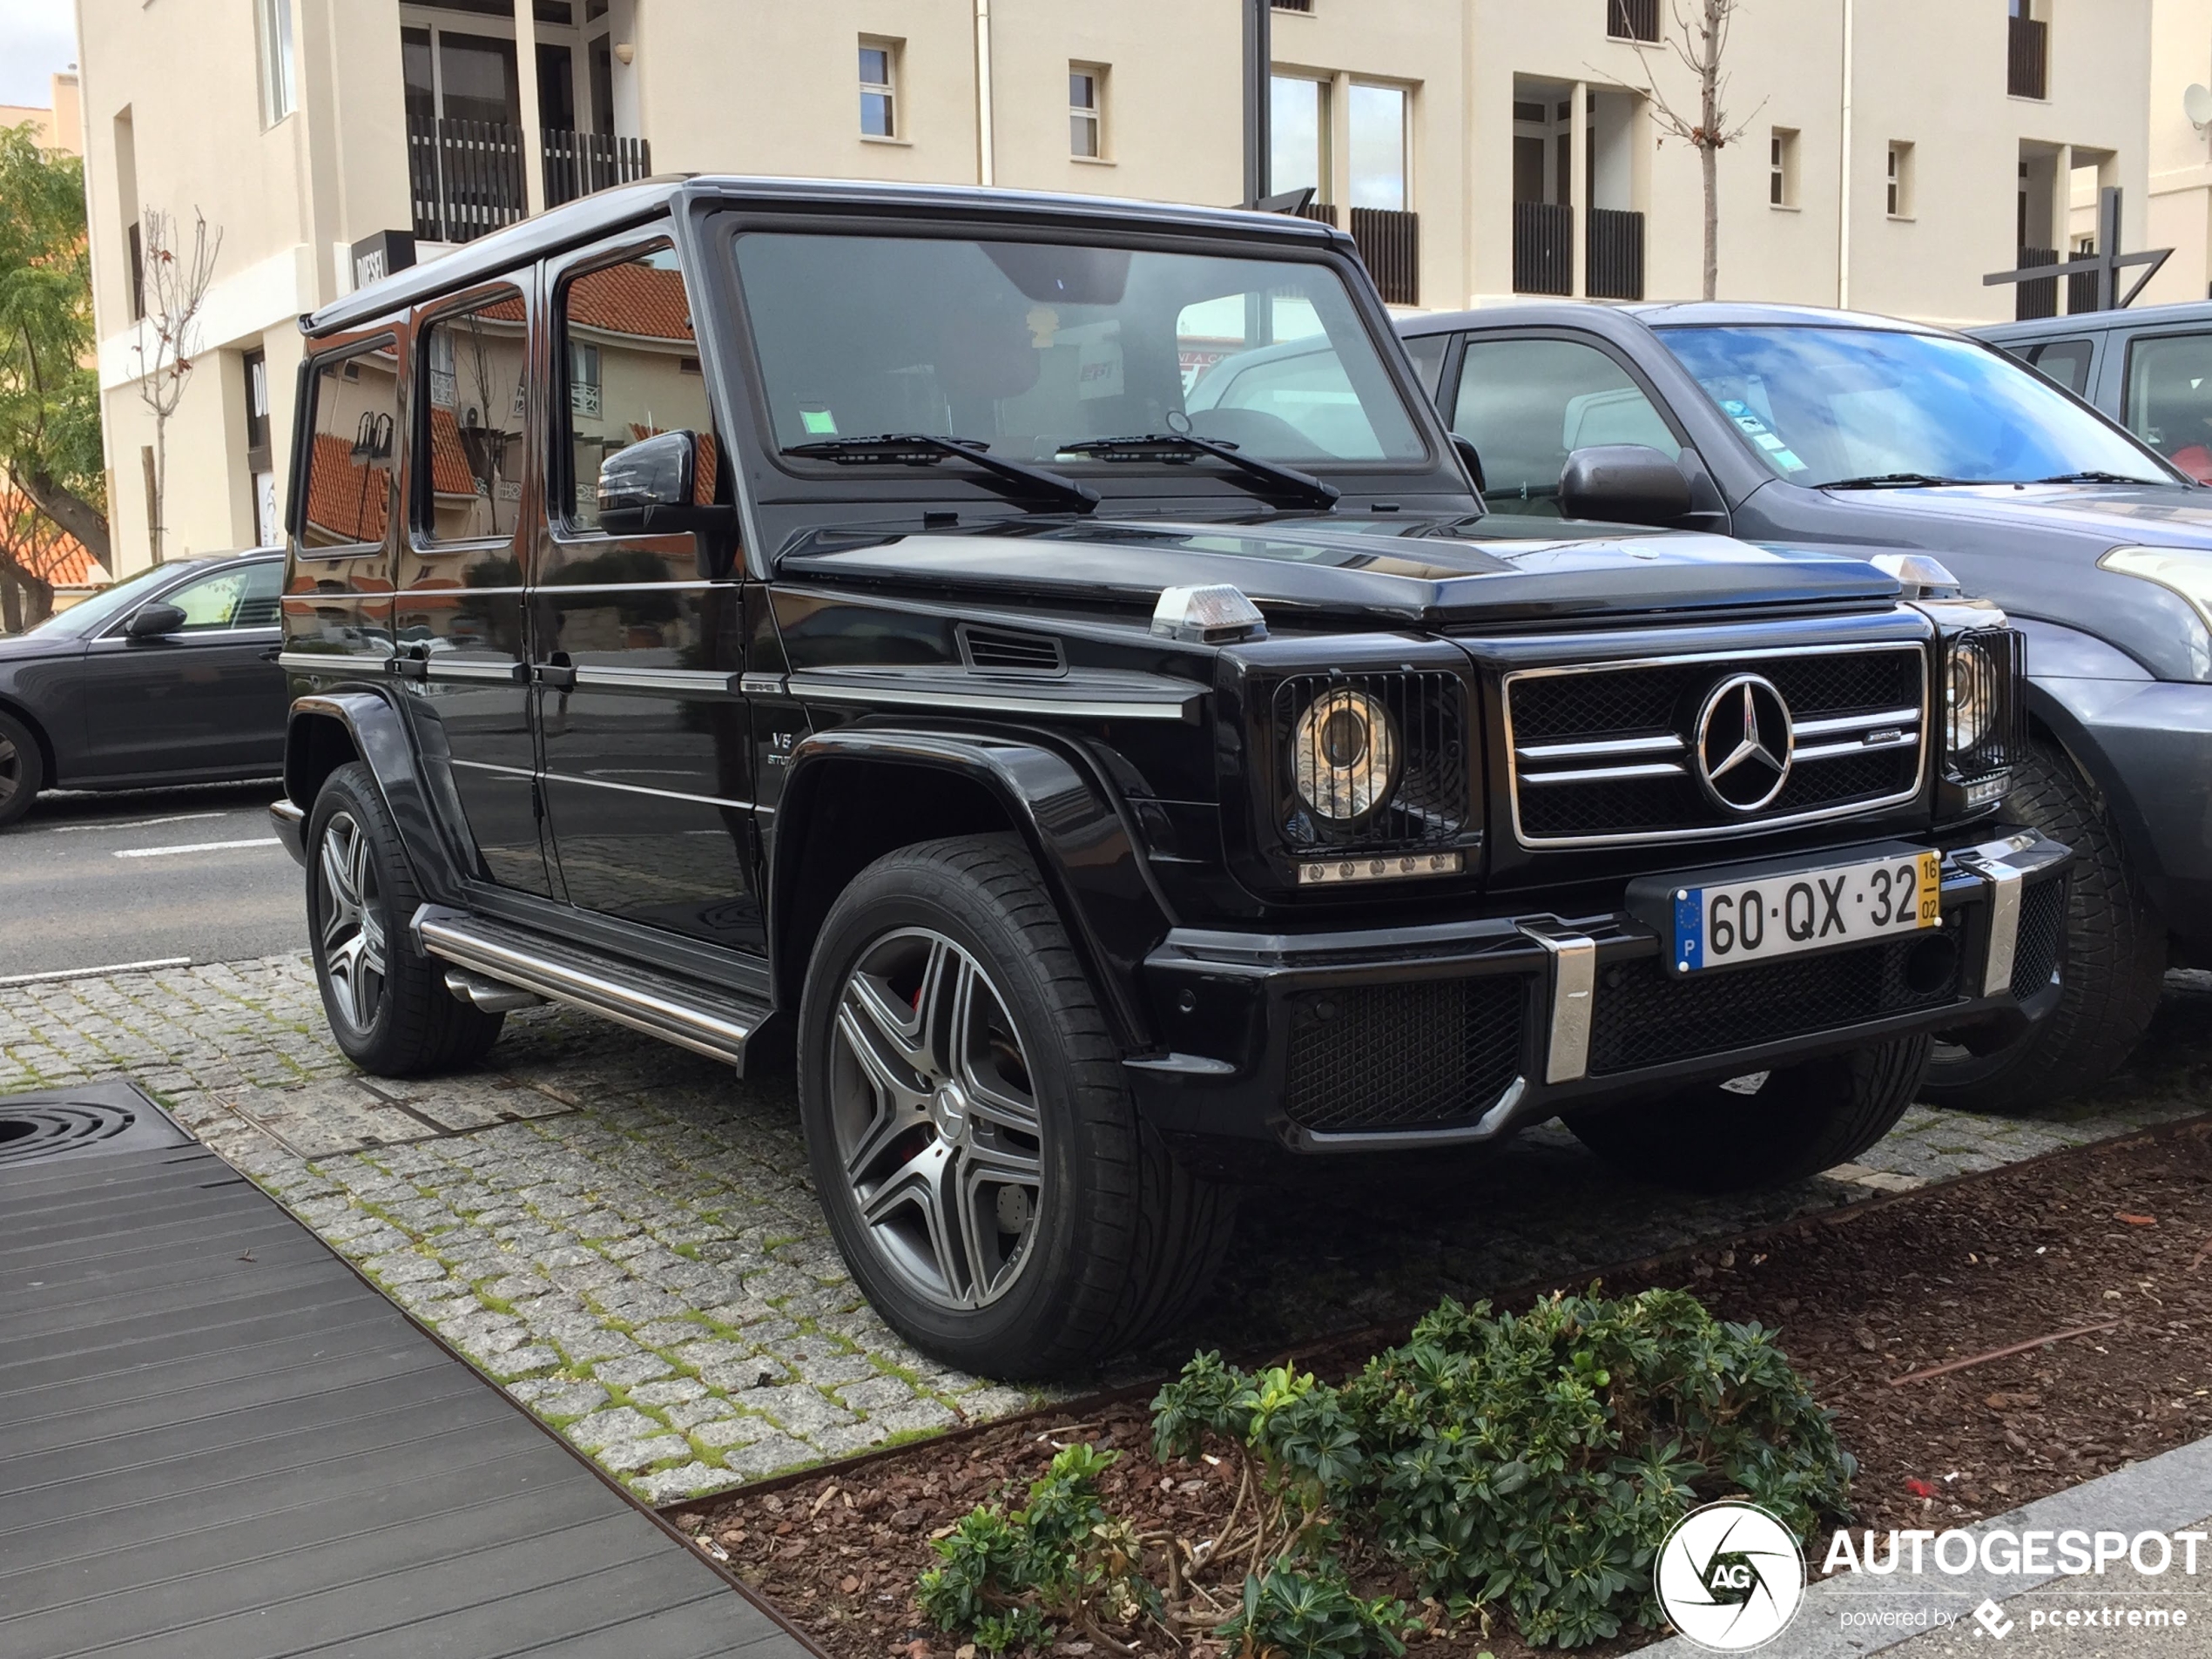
(916,629)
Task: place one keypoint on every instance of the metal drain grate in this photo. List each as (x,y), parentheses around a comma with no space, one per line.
(69,1123)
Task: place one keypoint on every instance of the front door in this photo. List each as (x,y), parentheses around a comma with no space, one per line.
(207,699)
(648,782)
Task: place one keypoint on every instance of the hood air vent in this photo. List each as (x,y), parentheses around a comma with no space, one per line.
(999,651)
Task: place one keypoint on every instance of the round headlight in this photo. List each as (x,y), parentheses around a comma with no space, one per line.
(1970,698)
(1343,755)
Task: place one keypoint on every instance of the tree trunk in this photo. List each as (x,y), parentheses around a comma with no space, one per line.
(1709,150)
(74,514)
(38,602)
(160,481)
(1708,160)
(10,602)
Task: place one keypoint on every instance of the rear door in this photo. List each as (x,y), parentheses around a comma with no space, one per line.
(635,653)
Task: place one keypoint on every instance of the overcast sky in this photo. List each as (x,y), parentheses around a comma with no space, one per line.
(36,37)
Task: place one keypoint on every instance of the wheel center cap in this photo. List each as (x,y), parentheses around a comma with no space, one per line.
(949,1111)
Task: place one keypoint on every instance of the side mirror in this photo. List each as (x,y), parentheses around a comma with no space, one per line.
(153,621)
(657,471)
(1472,457)
(1626,483)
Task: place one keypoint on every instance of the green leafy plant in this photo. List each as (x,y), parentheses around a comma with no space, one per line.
(1311,1612)
(1064,1558)
(1537,1461)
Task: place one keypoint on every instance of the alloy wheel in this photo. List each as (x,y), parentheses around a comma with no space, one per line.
(937,1123)
(351,925)
(11,770)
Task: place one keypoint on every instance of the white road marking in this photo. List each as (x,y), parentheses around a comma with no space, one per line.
(95,972)
(196,847)
(142,823)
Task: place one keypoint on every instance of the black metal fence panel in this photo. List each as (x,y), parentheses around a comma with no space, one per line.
(467,177)
(2028,58)
(1543,248)
(2036,299)
(1615,255)
(1632,19)
(1390,242)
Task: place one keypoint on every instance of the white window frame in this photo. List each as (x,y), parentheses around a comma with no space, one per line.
(1404,93)
(1094,113)
(1897,180)
(887,89)
(274,34)
(1781,168)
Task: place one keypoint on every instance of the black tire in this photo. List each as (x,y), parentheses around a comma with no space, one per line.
(1801,1120)
(1121,1239)
(23,769)
(2114,964)
(387,1002)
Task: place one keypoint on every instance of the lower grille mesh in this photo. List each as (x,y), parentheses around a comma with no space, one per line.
(2035,954)
(1645,1017)
(1403,1056)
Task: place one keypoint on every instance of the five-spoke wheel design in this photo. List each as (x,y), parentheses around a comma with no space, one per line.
(352,922)
(937,1124)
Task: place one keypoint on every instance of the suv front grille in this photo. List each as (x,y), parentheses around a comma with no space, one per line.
(1644,1016)
(1607,753)
(1380,1057)
(2042,929)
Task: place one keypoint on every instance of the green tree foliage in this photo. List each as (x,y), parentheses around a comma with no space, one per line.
(49,405)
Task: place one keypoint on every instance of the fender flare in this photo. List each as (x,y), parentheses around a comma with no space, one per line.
(380,737)
(1075,827)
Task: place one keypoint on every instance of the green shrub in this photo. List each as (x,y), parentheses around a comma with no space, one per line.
(1064,1557)
(1313,1614)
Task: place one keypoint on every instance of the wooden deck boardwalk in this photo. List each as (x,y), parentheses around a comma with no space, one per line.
(217,1440)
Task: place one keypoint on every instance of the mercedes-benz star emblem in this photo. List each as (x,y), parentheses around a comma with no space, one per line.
(1745,743)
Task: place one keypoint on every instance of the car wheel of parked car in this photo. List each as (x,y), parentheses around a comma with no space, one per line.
(387,1000)
(973,1138)
(2113,966)
(1762,1131)
(23,770)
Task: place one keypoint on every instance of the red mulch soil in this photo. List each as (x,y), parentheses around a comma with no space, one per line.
(2118,1234)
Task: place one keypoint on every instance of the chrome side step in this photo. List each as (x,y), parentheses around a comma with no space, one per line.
(698,1017)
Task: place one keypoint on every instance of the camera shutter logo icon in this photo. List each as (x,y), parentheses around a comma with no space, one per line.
(1731,1577)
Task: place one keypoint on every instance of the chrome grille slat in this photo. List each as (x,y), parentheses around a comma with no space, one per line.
(1603,753)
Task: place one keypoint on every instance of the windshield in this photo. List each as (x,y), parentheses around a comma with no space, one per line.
(89,616)
(1823,406)
(1033,346)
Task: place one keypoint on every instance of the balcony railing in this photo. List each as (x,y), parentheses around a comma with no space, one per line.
(2084,291)
(2028,58)
(2036,299)
(1632,19)
(1390,242)
(1615,255)
(467,177)
(1543,248)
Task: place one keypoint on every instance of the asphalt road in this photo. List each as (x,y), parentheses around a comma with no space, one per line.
(154,875)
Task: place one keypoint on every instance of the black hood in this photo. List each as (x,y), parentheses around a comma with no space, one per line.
(1386,571)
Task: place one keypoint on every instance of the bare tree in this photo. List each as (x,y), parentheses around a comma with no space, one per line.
(1701,41)
(174,288)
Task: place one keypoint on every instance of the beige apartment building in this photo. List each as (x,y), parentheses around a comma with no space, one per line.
(57,124)
(2181,150)
(1892,150)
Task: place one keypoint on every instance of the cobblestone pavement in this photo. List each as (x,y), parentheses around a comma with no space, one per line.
(625,1237)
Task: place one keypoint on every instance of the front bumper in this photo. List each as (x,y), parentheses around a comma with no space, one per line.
(1460,1033)
(290,823)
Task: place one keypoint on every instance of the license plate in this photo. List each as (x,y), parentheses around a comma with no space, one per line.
(1785,914)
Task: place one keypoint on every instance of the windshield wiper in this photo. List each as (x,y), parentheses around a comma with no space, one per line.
(1890,480)
(927,450)
(1151,445)
(2095,475)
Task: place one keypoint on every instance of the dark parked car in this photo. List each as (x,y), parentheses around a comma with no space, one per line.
(1783,425)
(167,678)
(2150,370)
(853,638)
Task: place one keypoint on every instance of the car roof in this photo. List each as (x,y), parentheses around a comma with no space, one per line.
(609,211)
(1672,314)
(2189,310)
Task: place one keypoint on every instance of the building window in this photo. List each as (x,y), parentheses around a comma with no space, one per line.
(260,469)
(1086,112)
(1632,19)
(1781,168)
(879,89)
(1300,155)
(1900,181)
(1305,6)
(1379,148)
(280,90)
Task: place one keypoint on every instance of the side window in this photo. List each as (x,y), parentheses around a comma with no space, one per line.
(2169,399)
(632,367)
(2065,361)
(1427,352)
(349,498)
(245,597)
(1527,405)
(468,459)
(1311,392)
